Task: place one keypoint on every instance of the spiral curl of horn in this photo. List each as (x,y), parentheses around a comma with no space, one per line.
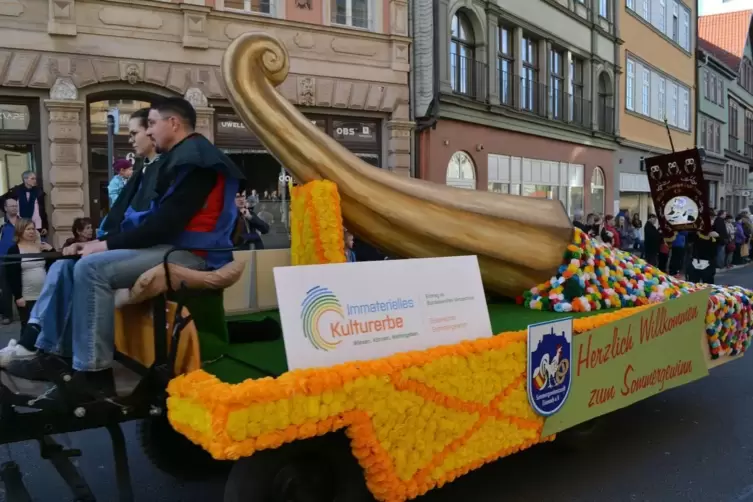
(519,241)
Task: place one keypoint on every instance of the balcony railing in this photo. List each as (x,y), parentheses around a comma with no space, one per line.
(554,103)
(468,77)
(732,143)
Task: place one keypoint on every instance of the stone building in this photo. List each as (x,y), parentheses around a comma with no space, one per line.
(65,63)
(519,97)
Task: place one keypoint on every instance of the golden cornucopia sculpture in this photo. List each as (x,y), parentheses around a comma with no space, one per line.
(519,241)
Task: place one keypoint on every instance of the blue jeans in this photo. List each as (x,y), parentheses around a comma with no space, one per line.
(721,256)
(52,312)
(89,320)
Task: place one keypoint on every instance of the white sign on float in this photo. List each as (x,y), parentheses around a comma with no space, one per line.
(332,314)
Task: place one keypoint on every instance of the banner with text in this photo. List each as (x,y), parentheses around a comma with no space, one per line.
(634,358)
(342,312)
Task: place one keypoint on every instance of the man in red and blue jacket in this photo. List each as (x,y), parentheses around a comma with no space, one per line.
(193,208)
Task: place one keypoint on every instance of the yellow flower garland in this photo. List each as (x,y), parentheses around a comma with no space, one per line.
(316,233)
(416,420)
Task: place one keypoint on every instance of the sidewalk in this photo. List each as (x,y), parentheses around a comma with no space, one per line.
(734,267)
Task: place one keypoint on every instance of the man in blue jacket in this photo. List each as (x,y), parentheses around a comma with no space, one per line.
(193,208)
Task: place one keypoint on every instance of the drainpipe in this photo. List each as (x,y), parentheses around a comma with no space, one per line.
(697,94)
(432,117)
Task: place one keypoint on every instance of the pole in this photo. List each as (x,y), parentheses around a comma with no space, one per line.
(110,144)
(669,134)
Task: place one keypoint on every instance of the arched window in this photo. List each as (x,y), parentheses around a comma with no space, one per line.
(461,173)
(605,103)
(597,191)
(461,55)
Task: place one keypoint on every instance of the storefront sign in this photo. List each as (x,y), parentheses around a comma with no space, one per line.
(354,132)
(679,191)
(634,358)
(328,316)
(14,117)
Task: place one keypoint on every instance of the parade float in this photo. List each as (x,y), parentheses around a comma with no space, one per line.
(314,379)
(620,329)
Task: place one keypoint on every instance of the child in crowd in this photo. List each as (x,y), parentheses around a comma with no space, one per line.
(350,255)
(123,169)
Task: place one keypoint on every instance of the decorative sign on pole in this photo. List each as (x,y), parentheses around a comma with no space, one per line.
(679,191)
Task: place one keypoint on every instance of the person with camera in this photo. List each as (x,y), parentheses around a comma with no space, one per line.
(249,226)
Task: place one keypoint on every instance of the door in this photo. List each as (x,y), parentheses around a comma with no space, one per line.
(99,204)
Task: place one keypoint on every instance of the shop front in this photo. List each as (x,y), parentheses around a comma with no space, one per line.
(264,174)
(20,147)
(467,155)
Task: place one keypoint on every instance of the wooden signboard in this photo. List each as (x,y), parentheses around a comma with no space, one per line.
(679,192)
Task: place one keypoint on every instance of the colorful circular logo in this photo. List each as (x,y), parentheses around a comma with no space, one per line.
(319,303)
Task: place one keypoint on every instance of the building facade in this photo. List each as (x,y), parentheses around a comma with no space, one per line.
(727,37)
(519,97)
(716,109)
(64,64)
(657,91)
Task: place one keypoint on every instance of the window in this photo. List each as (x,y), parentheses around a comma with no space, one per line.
(575,108)
(528,99)
(662,21)
(675,35)
(505,66)
(354,13)
(556,83)
(720,92)
(630,87)
(673,105)
(685,110)
(597,191)
(670,17)
(461,55)
(685,30)
(662,98)
(554,180)
(732,123)
(257,6)
(604,9)
(712,88)
(702,139)
(746,75)
(711,132)
(748,134)
(706,84)
(461,173)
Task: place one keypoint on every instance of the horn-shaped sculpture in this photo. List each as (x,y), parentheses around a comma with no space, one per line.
(519,241)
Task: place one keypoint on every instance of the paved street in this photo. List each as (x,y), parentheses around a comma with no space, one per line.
(694,443)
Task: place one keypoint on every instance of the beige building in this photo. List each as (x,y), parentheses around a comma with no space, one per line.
(658,82)
(65,63)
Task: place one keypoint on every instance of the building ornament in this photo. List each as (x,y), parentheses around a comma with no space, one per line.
(196,97)
(64,89)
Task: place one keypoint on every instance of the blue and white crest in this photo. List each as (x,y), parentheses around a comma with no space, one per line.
(549,373)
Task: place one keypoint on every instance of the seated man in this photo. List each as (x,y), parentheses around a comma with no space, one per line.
(51,313)
(194,208)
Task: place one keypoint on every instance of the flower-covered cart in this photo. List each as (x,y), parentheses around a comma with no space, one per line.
(417,420)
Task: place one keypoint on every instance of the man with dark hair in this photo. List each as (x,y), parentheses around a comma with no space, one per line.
(194,208)
(31,201)
(47,327)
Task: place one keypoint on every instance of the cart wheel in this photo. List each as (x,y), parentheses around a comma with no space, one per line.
(581,436)
(320,469)
(176,455)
